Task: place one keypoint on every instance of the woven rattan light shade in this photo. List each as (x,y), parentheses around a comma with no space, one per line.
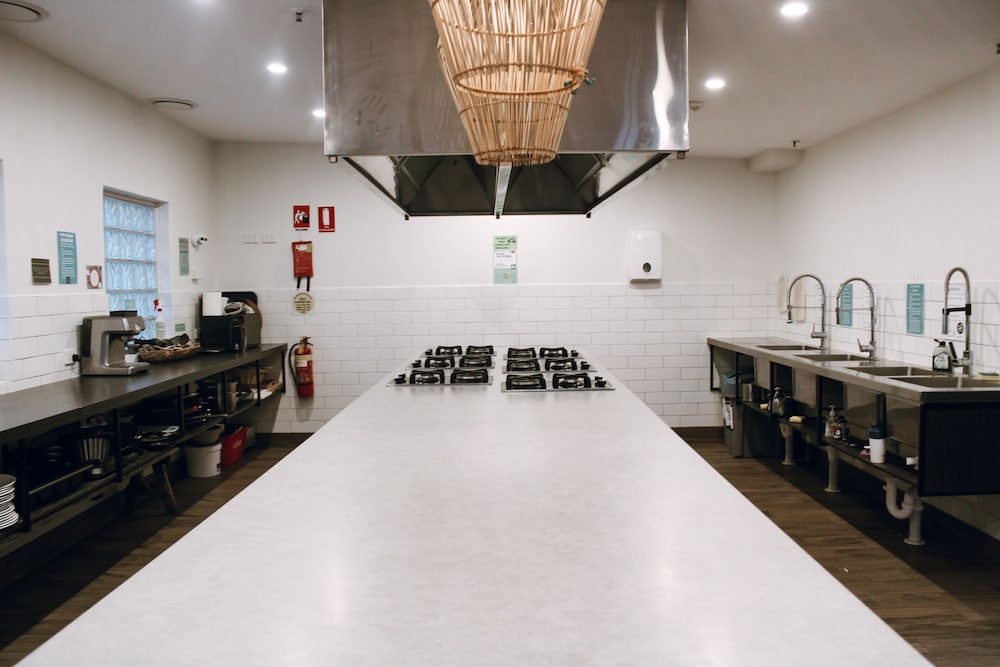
(512,67)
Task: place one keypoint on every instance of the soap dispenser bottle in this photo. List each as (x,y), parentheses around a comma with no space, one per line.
(941,358)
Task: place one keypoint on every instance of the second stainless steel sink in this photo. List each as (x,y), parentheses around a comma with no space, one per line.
(788,347)
(893,371)
(949,382)
(832,357)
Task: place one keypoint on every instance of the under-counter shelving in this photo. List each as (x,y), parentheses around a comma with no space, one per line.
(43,418)
(939,429)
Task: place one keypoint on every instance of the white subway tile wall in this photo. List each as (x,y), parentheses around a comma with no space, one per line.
(651,338)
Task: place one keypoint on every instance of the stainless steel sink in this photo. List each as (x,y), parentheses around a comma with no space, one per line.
(893,371)
(788,347)
(949,382)
(832,357)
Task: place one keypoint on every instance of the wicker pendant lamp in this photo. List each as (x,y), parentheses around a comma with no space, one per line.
(512,67)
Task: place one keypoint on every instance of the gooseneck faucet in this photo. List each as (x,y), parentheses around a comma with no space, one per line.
(966,361)
(821,334)
(870,347)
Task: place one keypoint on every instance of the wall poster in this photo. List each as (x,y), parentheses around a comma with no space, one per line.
(300,217)
(66,242)
(915,309)
(184,256)
(504,260)
(327,221)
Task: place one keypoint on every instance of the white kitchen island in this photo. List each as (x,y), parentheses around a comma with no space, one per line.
(458,526)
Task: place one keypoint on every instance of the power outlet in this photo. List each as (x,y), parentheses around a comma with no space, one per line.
(69,357)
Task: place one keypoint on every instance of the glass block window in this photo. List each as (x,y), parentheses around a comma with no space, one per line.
(130,255)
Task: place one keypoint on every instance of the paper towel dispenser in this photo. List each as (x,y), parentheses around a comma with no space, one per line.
(645,256)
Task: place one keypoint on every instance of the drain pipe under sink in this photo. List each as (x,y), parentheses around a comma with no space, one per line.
(912,508)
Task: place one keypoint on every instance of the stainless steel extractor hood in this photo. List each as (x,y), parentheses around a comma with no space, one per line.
(389,113)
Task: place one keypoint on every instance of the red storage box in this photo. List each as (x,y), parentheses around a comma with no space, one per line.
(233,445)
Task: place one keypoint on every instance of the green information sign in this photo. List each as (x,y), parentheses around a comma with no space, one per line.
(66,242)
(184,256)
(504,260)
(915,309)
(847,306)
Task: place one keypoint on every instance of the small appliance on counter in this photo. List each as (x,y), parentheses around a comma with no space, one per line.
(223,333)
(230,321)
(103,342)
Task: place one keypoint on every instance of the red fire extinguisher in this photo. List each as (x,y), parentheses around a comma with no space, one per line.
(300,362)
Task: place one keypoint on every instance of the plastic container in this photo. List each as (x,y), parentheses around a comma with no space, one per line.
(876,444)
(203,460)
(233,445)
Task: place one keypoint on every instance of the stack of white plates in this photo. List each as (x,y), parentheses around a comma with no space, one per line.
(8,515)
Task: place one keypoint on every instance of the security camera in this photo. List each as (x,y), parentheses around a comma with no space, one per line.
(200,239)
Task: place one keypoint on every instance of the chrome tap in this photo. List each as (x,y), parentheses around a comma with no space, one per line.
(870,347)
(966,361)
(821,334)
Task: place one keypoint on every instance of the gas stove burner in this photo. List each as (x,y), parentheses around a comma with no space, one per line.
(548,352)
(443,361)
(523,366)
(470,376)
(427,377)
(475,362)
(560,365)
(521,353)
(536,381)
(478,350)
(571,381)
(448,350)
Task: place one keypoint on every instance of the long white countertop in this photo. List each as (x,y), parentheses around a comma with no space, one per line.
(456,526)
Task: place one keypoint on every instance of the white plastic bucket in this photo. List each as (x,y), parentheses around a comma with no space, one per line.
(204,461)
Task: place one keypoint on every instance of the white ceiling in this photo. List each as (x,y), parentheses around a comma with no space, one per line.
(845,62)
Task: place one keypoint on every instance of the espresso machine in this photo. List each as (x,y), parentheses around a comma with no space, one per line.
(103,340)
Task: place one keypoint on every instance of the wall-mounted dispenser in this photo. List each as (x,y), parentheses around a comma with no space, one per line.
(645,256)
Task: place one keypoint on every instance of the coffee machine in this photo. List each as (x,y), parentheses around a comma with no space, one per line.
(103,340)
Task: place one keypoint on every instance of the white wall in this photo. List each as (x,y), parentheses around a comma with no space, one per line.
(706,209)
(903,200)
(63,139)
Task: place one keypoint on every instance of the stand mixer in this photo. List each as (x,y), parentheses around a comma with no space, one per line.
(103,340)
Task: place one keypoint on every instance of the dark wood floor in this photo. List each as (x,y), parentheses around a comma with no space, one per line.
(943,597)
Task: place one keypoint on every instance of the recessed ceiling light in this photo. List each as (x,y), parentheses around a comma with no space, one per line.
(22,12)
(715,83)
(172,104)
(794,10)
(276,68)
(319,113)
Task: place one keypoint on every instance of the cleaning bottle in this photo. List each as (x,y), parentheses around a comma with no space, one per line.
(161,322)
(831,422)
(941,358)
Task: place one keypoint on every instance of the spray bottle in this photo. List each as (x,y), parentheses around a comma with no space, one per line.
(161,322)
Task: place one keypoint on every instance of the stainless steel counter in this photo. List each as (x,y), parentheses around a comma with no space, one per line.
(847,371)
